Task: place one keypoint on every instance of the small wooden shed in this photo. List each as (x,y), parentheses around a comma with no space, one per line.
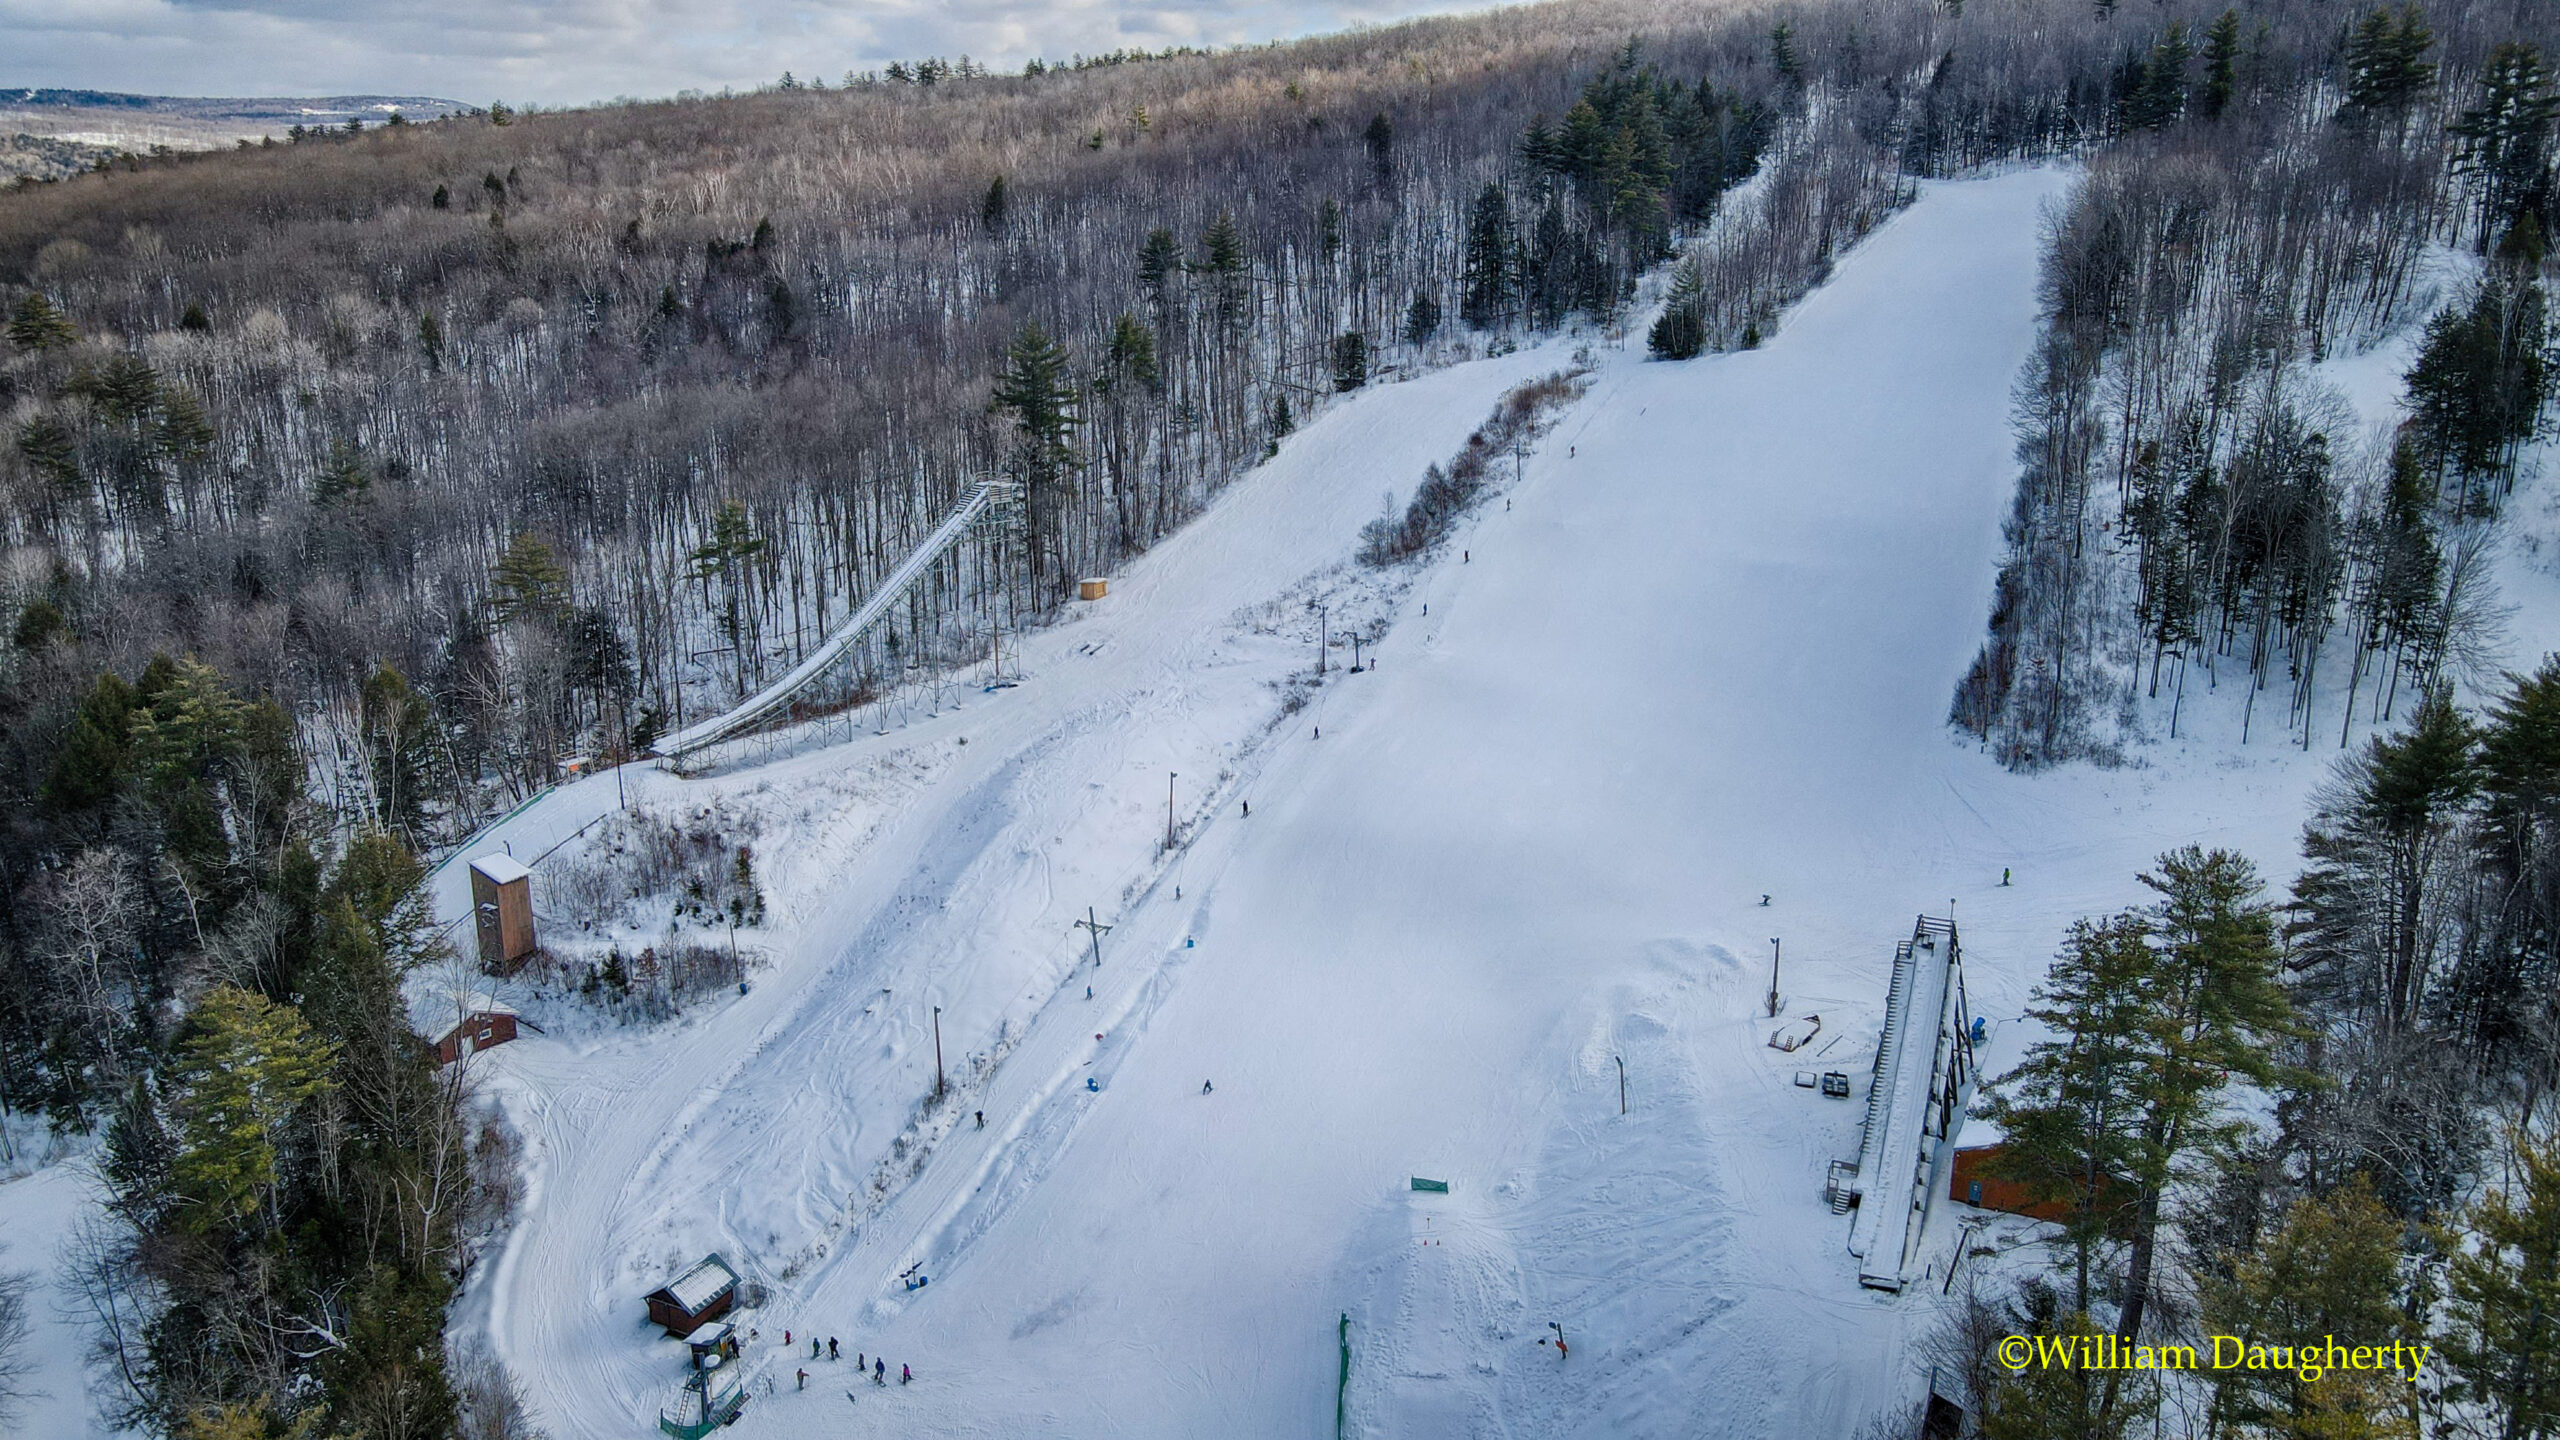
(484,1021)
(502,905)
(701,1294)
(1092,587)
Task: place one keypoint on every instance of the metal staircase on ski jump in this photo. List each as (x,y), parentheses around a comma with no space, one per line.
(1916,1103)
(765,703)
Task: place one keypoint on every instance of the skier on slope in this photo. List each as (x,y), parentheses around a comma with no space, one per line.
(905,1374)
(813,1347)
(879,1372)
(1205,1087)
(804,1378)
(831,1349)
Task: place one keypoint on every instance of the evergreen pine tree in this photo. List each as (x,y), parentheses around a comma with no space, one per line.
(1037,391)
(2071,1125)
(40,624)
(722,557)
(1129,359)
(91,767)
(1486,287)
(39,325)
(1678,334)
(246,1068)
(1350,361)
(344,477)
(2331,1268)
(53,453)
(2216,1011)
(1159,260)
(2505,1292)
(528,584)
(991,209)
(2221,65)
(2505,139)
(1380,141)
(2386,64)
(1782,53)
(1421,318)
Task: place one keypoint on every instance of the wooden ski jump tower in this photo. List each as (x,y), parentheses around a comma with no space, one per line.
(1916,1104)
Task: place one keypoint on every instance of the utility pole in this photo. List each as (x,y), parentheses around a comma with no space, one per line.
(1324,635)
(1168,807)
(938,1086)
(1773,977)
(1095,931)
(1622,1083)
(1355,652)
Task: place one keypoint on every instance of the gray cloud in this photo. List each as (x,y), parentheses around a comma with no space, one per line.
(570,51)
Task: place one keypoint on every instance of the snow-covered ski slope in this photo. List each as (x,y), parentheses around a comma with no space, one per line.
(1704,654)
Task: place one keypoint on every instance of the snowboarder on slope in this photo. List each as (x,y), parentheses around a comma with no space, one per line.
(1205,1087)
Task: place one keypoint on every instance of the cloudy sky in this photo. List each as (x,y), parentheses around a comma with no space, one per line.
(568,51)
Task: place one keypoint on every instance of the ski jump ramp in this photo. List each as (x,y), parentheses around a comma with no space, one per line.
(765,703)
(1916,1103)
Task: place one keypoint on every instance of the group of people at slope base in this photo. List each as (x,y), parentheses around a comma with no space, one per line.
(878,1365)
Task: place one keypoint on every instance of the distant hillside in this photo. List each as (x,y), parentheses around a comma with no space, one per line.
(100,120)
(45,158)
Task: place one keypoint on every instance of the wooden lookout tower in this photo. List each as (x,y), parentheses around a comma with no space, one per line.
(502,907)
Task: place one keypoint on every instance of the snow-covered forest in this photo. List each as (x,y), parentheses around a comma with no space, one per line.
(372,492)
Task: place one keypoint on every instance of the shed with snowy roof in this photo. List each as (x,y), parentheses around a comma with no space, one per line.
(502,907)
(699,1295)
(480,1022)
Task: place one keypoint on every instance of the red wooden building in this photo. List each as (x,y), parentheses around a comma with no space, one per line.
(701,1294)
(483,1022)
(1971,1181)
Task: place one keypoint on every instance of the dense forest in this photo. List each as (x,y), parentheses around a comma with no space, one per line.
(2327,1112)
(358,482)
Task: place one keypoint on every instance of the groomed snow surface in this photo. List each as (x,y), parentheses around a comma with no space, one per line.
(1706,655)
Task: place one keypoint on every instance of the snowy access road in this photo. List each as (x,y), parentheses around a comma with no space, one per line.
(1706,654)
